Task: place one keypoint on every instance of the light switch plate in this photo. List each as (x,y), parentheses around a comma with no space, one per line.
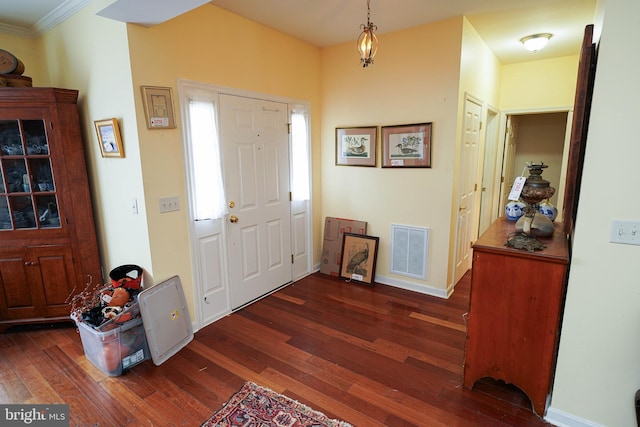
(625,232)
(169,204)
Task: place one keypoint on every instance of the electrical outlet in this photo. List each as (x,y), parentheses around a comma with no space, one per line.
(626,232)
(168,204)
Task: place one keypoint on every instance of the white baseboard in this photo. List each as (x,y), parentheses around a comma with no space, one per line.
(410,286)
(563,419)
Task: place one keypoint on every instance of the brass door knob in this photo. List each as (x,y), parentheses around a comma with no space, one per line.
(233,219)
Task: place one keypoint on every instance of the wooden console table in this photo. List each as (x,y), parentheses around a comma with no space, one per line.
(515,310)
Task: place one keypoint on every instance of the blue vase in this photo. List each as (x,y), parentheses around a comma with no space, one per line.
(514,210)
(548,210)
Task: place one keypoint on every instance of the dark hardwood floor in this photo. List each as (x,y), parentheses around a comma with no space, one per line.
(372,356)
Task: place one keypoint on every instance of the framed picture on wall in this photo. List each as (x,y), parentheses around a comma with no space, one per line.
(406,146)
(356,146)
(109,138)
(158,107)
(359,254)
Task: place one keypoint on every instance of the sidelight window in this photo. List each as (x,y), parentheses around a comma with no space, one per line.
(209,197)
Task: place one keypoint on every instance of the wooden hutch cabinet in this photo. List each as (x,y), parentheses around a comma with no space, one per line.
(48,247)
(515,312)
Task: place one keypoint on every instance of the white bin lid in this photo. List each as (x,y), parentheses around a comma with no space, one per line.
(166,319)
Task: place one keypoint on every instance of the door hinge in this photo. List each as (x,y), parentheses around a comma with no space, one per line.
(471,244)
(502,179)
(289,128)
(290,196)
(292,261)
(480,128)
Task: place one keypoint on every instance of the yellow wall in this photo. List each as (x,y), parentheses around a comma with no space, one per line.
(480,76)
(97,65)
(541,137)
(549,83)
(480,69)
(412,81)
(28,52)
(213,46)
(598,370)
(598,367)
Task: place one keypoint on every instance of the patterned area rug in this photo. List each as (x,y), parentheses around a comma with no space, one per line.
(256,406)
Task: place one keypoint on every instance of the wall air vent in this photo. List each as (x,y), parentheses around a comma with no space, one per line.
(409,251)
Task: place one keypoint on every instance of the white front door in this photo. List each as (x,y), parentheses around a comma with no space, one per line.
(468,185)
(255,147)
(206,211)
(211,268)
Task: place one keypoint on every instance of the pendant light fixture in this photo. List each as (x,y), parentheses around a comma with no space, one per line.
(367,42)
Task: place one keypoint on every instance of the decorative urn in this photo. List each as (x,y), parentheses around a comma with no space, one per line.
(535,189)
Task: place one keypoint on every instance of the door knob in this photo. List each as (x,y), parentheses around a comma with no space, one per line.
(232,204)
(233,219)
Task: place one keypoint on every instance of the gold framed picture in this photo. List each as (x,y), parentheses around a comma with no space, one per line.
(158,107)
(109,138)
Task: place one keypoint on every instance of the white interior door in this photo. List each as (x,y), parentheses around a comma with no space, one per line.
(508,164)
(490,171)
(467,188)
(255,147)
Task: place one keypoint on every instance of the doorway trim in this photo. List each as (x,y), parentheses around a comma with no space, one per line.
(504,115)
(301,211)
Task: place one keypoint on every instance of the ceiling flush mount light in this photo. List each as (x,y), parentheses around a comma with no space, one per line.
(367,42)
(536,42)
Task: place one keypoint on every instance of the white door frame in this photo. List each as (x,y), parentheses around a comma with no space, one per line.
(490,191)
(303,220)
(504,115)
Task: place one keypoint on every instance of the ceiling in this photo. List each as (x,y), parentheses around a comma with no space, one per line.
(501,23)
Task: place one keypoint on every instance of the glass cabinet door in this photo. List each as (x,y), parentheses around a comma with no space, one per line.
(28,198)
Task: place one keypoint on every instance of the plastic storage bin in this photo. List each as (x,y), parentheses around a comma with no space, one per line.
(115,350)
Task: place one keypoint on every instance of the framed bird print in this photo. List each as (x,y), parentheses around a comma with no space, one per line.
(359,253)
(356,146)
(406,146)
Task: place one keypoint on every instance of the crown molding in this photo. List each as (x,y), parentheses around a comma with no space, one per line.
(56,16)
(16,30)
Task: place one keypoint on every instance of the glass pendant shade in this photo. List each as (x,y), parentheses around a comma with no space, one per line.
(367,45)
